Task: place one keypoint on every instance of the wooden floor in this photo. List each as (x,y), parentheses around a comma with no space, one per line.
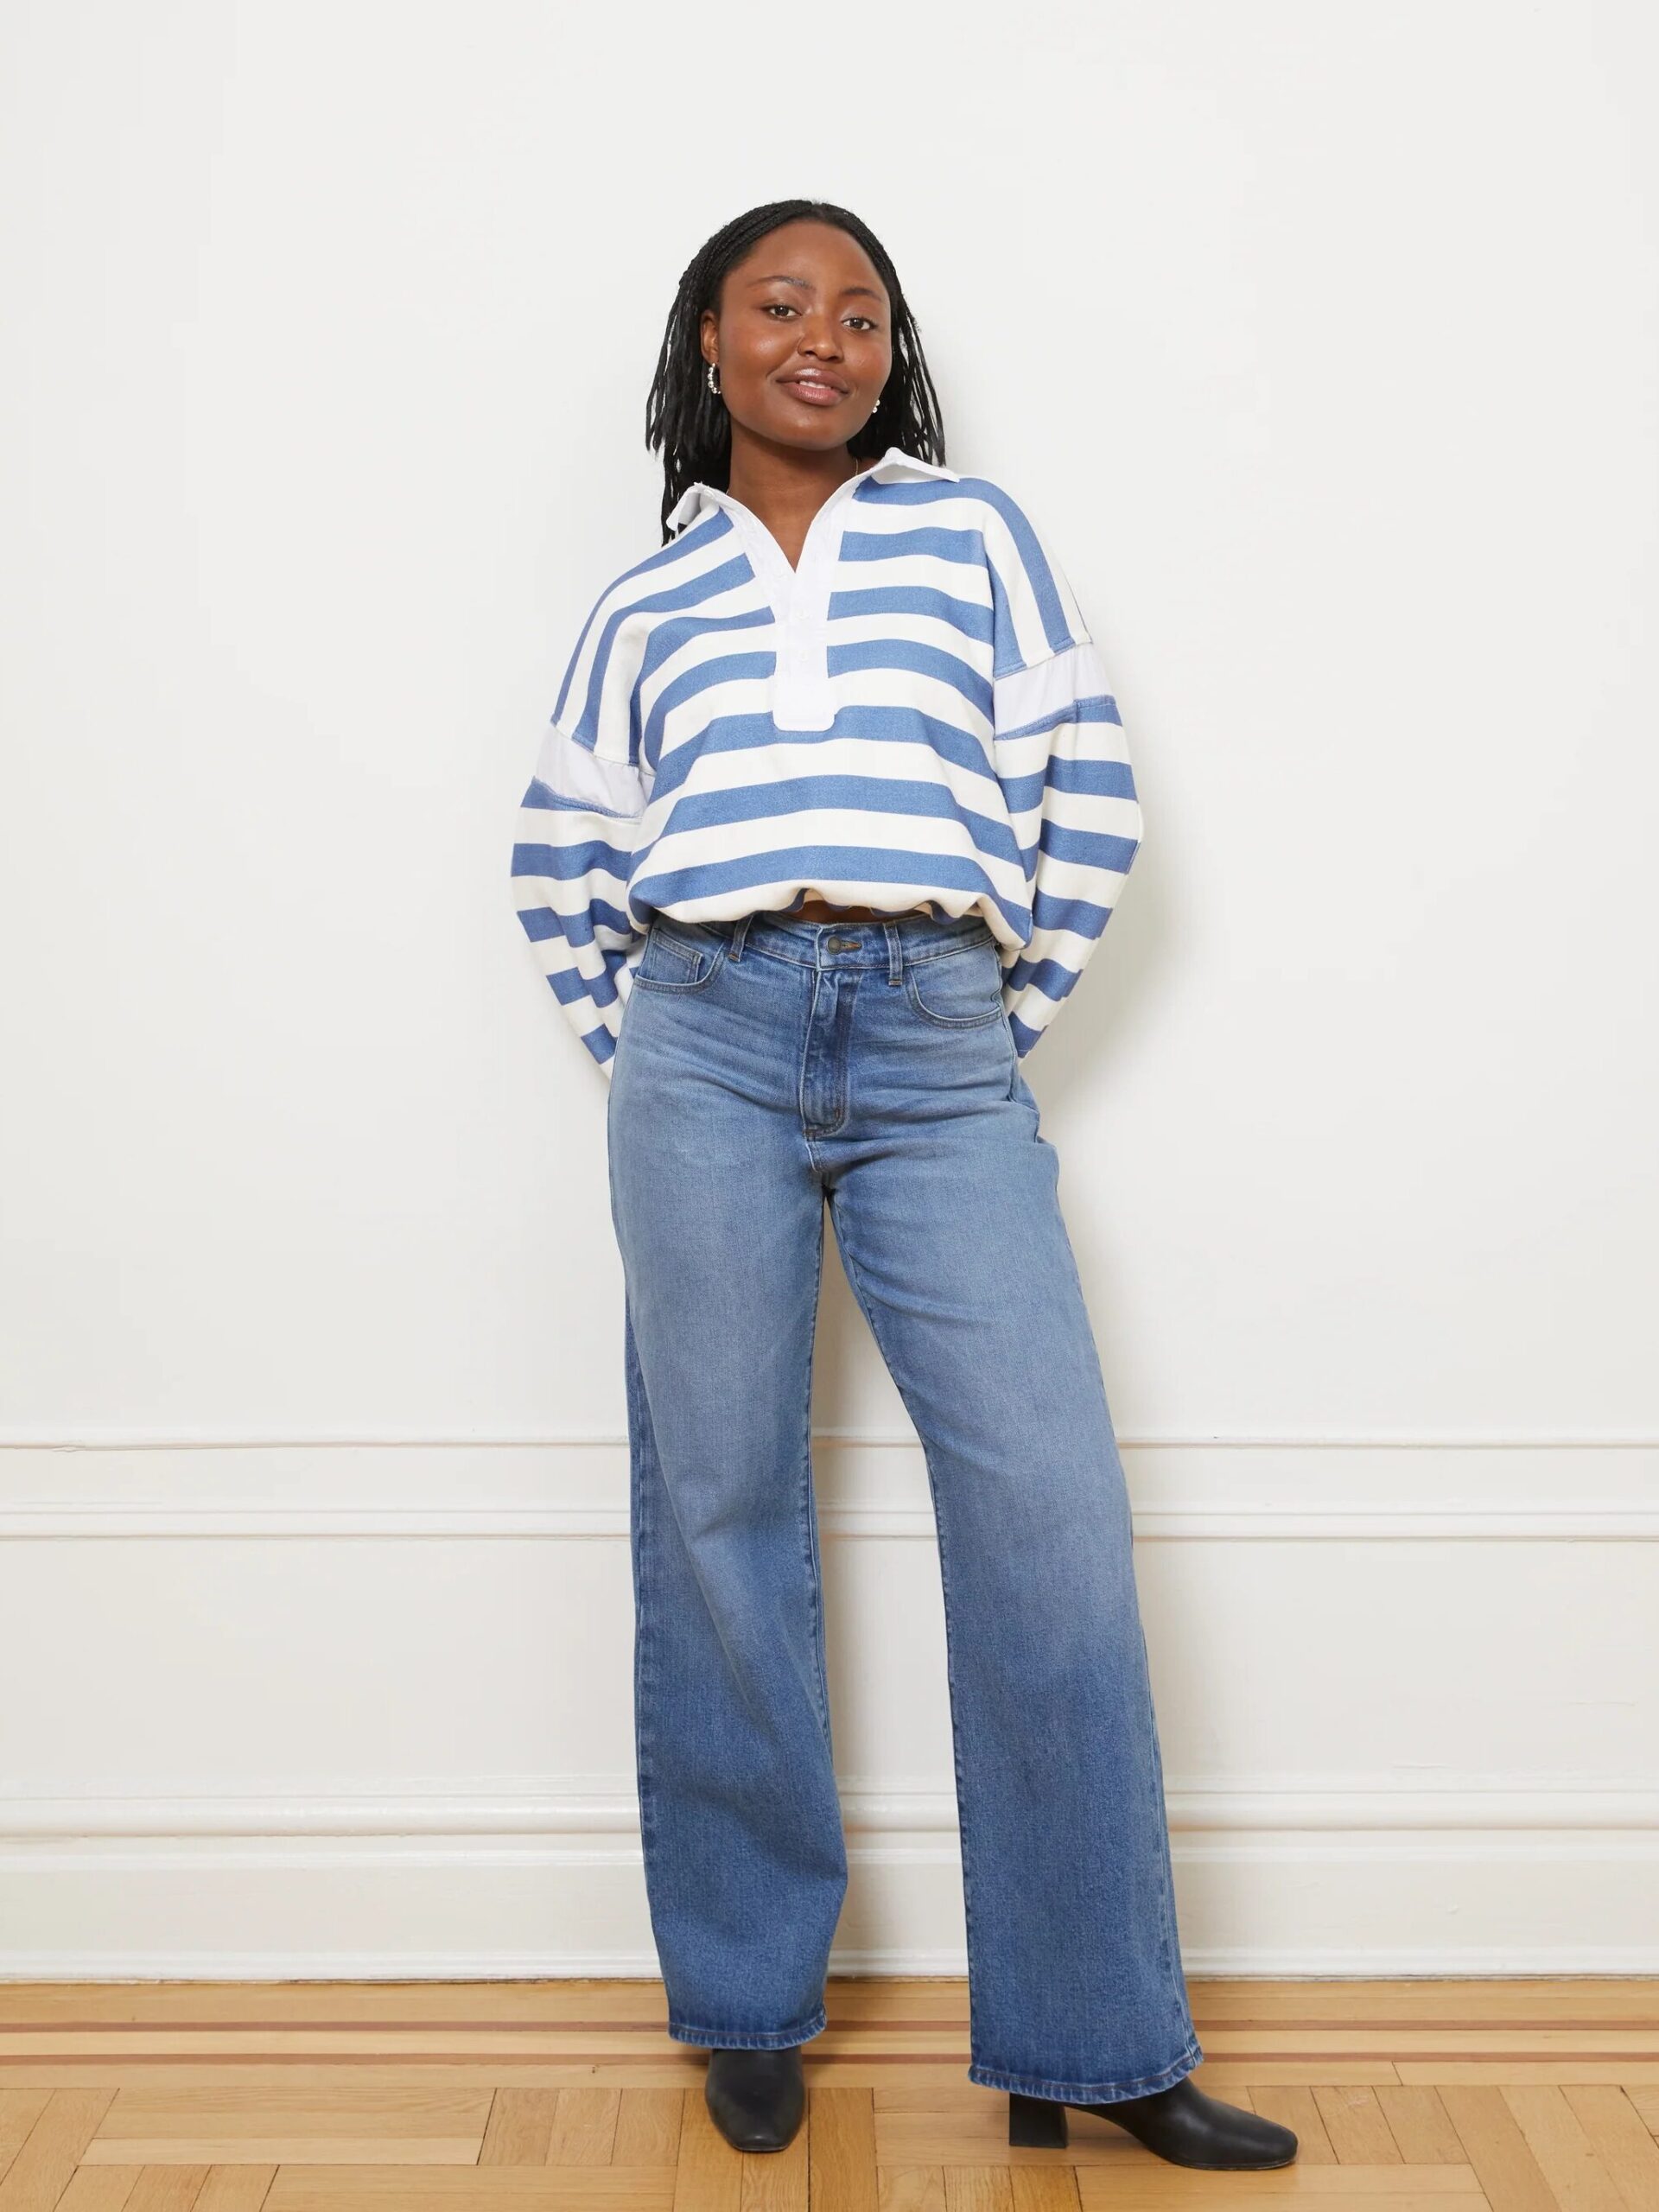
(1408,2097)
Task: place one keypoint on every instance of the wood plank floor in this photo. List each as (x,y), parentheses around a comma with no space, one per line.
(1534,2095)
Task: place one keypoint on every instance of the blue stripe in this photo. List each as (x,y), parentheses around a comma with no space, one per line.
(1088,848)
(1097,778)
(1033,560)
(881,725)
(566,863)
(805,794)
(543,795)
(915,492)
(920,601)
(920,660)
(864,864)
(930,541)
(577,928)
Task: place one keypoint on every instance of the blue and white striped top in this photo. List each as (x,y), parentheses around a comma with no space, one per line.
(916,714)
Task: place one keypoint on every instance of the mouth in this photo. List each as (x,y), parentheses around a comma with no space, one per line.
(813,390)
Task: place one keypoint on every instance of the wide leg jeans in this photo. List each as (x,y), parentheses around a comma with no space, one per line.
(765,1070)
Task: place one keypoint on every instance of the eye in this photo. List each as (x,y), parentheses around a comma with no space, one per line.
(770,304)
(864,318)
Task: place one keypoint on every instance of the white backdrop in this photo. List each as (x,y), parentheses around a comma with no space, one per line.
(1324,344)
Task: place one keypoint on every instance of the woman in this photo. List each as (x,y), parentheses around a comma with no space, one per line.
(832,807)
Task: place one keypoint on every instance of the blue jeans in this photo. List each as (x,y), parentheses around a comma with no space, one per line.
(764,1067)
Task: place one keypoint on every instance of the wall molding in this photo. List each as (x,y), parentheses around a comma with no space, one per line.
(856,1440)
(40,1518)
(869,1484)
(608,1807)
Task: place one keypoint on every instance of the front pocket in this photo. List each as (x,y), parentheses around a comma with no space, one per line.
(677,960)
(957,990)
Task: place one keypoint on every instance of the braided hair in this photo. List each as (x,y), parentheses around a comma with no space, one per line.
(688,424)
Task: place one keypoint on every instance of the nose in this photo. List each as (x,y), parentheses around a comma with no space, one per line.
(818,334)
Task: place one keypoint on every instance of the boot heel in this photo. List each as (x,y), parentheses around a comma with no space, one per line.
(1036,2123)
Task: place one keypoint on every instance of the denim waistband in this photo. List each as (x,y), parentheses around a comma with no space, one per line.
(905,937)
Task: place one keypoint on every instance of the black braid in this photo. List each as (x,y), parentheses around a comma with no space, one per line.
(689,423)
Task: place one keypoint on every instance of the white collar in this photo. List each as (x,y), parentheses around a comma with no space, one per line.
(894,465)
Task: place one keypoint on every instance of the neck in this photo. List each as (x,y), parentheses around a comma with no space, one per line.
(786,485)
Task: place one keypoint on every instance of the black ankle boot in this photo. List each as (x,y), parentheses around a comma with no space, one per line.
(758,2097)
(1181,2124)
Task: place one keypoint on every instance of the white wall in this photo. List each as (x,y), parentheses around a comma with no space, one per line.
(1323,341)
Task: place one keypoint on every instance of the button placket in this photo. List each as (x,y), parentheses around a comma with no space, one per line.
(805,701)
(802,697)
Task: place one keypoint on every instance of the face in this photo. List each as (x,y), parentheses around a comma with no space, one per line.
(804,337)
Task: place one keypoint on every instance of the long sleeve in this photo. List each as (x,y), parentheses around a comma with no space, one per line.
(578,824)
(1063,764)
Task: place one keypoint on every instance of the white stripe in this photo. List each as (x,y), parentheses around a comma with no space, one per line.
(576,772)
(1029,695)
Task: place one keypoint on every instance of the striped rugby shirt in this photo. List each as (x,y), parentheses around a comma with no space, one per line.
(916,714)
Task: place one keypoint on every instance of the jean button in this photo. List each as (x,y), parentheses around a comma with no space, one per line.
(841,944)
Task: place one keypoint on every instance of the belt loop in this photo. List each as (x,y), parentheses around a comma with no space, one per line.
(738,935)
(895,955)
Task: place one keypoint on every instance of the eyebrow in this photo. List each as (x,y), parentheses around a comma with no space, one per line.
(848,292)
